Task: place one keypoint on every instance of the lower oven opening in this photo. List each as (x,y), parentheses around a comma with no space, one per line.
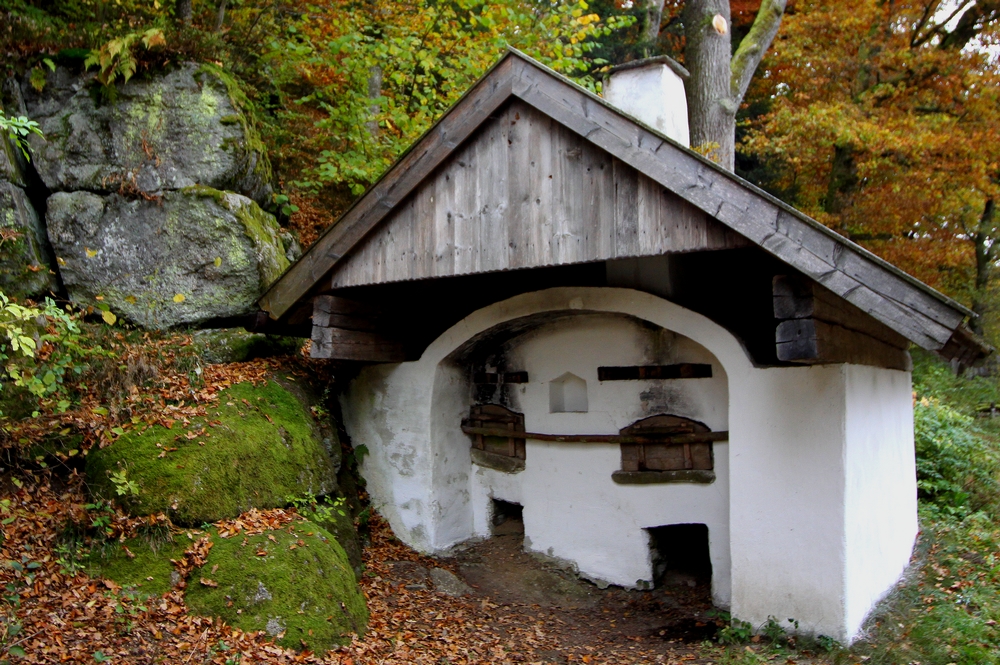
(680,555)
(508,518)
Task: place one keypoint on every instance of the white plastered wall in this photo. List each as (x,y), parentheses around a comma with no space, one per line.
(809,449)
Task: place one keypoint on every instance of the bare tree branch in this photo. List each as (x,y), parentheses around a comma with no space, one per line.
(973,20)
(937,28)
(751,50)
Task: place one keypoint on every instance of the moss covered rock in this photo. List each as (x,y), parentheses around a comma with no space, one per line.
(188,125)
(185,258)
(295,583)
(338,522)
(256,447)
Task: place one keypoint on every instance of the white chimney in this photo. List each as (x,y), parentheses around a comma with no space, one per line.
(651,90)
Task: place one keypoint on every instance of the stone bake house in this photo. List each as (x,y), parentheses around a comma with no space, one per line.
(553,302)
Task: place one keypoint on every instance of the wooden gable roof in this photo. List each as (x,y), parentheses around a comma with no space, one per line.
(443,208)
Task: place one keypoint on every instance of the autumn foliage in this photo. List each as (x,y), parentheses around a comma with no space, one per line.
(886,127)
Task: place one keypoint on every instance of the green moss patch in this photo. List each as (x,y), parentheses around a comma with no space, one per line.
(339,523)
(256,447)
(149,569)
(295,583)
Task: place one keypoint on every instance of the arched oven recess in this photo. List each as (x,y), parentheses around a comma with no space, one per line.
(487,424)
(667,449)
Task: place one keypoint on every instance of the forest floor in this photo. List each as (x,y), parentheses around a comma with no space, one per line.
(54,613)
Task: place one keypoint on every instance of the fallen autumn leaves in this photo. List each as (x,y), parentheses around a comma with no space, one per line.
(70,618)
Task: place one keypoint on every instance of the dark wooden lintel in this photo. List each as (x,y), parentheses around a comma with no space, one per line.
(664,439)
(492,378)
(701,476)
(640,372)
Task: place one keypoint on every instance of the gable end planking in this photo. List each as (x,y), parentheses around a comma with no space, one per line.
(526,192)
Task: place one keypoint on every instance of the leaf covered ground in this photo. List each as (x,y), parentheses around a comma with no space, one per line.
(54,613)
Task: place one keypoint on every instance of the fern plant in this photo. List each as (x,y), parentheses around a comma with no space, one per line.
(117,58)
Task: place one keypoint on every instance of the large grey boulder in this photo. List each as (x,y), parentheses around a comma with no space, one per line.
(161,133)
(181,258)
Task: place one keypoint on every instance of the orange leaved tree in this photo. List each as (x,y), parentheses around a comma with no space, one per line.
(884,124)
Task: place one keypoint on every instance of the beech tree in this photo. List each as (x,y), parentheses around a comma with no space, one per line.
(720,76)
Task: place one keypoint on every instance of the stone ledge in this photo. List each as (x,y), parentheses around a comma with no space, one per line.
(702,477)
(497,462)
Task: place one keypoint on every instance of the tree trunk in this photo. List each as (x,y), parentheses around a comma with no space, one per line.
(184,11)
(843,180)
(719,77)
(654,16)
(220,15)
(374,92)
(711,111)
(985,256)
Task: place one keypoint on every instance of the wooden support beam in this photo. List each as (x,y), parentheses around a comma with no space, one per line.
(359,345)
(798,297)
(641,372)
(347,330)
(815,326)
(663,439)
(814,342)
(966,347)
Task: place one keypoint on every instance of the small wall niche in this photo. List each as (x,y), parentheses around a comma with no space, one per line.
(568,394)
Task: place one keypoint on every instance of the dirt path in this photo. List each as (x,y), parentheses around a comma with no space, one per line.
(669,621)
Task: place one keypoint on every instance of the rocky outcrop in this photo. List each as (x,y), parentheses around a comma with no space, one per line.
(161,133)
(153,201)
(183,258)
(24,264)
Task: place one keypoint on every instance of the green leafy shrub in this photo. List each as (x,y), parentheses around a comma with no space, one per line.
(42,351)
(956,464)
(17,129)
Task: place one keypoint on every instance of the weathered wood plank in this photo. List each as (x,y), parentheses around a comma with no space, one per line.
(519,179)
(492,197)
(335,312)
(626,210)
